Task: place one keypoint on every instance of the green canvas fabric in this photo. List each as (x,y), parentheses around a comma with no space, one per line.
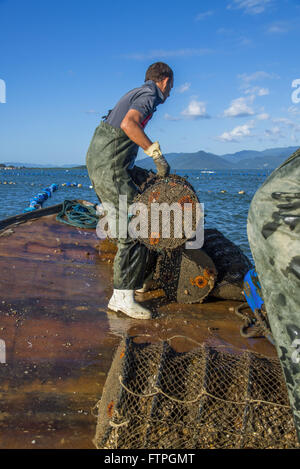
(109,157)
(274,237)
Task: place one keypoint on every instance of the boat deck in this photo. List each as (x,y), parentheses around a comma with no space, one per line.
(60,338)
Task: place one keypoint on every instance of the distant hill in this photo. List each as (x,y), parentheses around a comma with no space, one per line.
(246,159)
(266,159)
(199,160)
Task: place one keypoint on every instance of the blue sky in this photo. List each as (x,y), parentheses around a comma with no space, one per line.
(66,62)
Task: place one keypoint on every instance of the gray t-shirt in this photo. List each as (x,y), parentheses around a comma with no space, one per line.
(144,99)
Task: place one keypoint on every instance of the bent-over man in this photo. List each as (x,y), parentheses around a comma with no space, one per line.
(110,157)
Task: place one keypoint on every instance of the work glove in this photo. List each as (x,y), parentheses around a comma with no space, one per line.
(162,166)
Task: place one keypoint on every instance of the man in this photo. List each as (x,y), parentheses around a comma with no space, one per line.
(110,157)
(274,237)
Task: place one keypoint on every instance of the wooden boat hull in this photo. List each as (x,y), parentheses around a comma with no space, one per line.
(60,338)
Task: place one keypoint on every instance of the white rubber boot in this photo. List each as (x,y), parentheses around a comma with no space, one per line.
(123,300)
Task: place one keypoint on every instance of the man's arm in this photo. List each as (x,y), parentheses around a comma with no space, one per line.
(131,125)
(133,129)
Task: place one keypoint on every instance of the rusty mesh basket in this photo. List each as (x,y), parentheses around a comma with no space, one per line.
(204,397)
(186,275)
(168,191)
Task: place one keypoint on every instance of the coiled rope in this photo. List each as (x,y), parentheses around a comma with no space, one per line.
(75,214)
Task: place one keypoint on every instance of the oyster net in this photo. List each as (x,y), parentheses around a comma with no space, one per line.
(207,397)
(169,196)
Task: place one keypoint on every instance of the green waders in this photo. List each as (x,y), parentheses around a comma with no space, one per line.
(274,237)
(109,156)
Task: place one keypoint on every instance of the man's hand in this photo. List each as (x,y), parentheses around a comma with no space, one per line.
(162,166)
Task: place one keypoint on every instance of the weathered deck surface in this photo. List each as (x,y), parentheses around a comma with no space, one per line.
(60,338)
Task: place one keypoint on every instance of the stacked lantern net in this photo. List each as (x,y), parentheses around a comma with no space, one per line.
(205,397)
(189,275)
(186,275)
(217,269)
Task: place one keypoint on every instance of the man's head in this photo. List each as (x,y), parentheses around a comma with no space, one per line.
(162,75)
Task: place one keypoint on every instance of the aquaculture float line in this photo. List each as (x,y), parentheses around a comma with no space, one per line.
(37,201)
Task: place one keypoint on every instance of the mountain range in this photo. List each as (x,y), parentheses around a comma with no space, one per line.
(246,159)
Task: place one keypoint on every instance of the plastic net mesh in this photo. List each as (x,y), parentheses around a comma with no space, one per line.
(207,397)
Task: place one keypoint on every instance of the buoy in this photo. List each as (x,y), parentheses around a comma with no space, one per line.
(79,185)
(37,201)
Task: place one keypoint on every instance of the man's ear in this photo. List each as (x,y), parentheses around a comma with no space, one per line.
(166,80)
(164,83)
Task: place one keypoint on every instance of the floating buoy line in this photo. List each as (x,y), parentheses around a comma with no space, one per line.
(37,201)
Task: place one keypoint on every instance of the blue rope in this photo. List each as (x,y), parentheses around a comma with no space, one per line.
(76,214)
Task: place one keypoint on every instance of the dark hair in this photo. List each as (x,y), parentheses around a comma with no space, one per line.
(158,71)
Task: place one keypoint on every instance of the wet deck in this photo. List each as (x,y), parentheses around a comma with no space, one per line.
(60,338)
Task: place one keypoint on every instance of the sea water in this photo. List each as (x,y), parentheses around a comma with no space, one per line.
(225,209)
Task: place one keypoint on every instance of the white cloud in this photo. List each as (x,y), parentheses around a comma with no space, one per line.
(256,90)
(279,27)
(274,133)
(168,117)
(195,110)
(202,16)
(294,110)
(283,120)
(239,108)
(251,7)
(283,128)
(256,76)
(237,133)
(163,54)
(183,88)
(263,116)
(263,92)
(287,122)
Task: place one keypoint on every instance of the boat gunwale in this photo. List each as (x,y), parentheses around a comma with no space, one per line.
(23,217)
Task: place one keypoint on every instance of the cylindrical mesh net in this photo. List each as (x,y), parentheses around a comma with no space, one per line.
(187,276)
(172,215)
(204,397)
